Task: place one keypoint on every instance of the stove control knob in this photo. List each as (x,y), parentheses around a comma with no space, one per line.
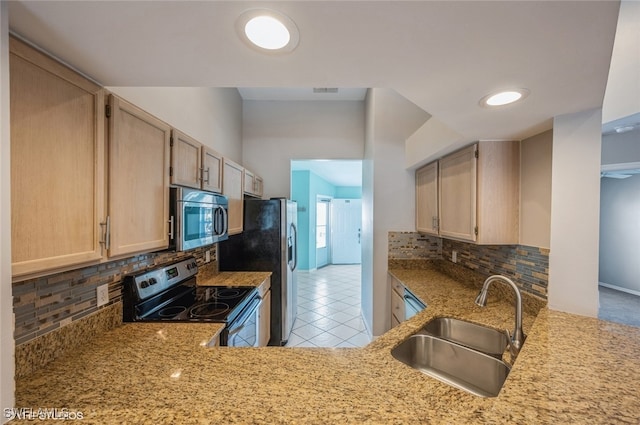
(144,284)
(153,281)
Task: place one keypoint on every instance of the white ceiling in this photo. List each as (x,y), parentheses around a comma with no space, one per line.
(441,55)
(336,172)
(301,94)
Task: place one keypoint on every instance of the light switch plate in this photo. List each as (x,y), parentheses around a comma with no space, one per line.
(207,256)
(102,294)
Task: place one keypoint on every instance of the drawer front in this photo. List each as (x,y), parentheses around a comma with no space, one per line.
(397,286)
(397,306)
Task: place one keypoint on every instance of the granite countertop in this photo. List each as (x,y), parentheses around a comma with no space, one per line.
(572,369)
(233,279)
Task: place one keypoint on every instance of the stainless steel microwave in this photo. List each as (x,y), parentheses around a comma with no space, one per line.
(197,218)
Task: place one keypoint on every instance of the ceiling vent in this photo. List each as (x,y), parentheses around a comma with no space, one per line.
(325,90)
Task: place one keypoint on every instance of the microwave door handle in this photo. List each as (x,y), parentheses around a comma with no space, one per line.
(225,220)
(214,230)
(216,221)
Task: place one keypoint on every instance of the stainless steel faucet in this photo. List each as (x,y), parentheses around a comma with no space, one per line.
(518,336)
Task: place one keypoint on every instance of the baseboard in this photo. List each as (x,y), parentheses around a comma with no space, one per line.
(619,288)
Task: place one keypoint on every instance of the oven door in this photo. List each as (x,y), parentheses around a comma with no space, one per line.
(243,332)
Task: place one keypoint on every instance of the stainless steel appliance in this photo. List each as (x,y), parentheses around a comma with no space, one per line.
(268,243)
(412,304)
(169,293)
(197,218)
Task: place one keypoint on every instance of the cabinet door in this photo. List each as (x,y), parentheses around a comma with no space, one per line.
(458,173)
(249,182)
(232,188)
(57,163)
(259,186)
(427,199)
(138,180)
(212,169)
(264,315)
(186,153)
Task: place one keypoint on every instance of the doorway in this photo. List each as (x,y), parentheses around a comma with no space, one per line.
(330,280)
(323,231)
(619,287)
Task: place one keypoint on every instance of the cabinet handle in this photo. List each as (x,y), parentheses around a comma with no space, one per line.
(208,175)
(106,236)
(171,227)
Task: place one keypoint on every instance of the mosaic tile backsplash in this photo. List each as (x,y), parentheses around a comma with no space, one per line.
(527,266)
(414,246)
(45,304)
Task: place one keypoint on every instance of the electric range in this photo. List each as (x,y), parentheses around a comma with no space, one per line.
(169,293)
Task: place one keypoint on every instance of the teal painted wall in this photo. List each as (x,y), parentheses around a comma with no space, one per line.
(305,188)
(348,192)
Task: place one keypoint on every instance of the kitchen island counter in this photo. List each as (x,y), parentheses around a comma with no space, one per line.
(572,369)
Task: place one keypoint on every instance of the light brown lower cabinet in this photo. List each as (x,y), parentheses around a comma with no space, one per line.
(264,314)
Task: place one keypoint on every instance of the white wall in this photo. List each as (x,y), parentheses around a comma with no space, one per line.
(213,116)
(388,192)
(276,132)
(367,277)
(620,233)
(575,211)
(535,190)
(7,384)
(432,141)
(622,97)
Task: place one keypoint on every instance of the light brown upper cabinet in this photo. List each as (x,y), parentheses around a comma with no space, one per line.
(253,184)
(212,169)
(458,173)
(57,163)
(233,188)
(138,180)
(478,194)
(193,164)
(427,199)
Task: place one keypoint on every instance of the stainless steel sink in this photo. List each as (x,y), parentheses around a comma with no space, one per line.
(453,364)
(481,338)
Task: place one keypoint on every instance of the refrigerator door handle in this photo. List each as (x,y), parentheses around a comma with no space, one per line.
(294,246)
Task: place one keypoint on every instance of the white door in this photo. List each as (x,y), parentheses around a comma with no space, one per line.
(346,226)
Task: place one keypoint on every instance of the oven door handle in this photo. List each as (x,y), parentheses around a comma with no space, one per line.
(243,319)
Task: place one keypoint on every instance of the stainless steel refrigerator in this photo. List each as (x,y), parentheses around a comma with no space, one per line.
(268,243)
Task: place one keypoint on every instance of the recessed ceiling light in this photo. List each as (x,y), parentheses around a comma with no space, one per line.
(503,98)
(267,30)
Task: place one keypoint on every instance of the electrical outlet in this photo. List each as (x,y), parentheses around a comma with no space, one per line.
(454,256)
(207,256)
(102,294)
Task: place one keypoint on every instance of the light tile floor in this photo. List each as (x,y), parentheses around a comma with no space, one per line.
(329,313)
(620,307)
